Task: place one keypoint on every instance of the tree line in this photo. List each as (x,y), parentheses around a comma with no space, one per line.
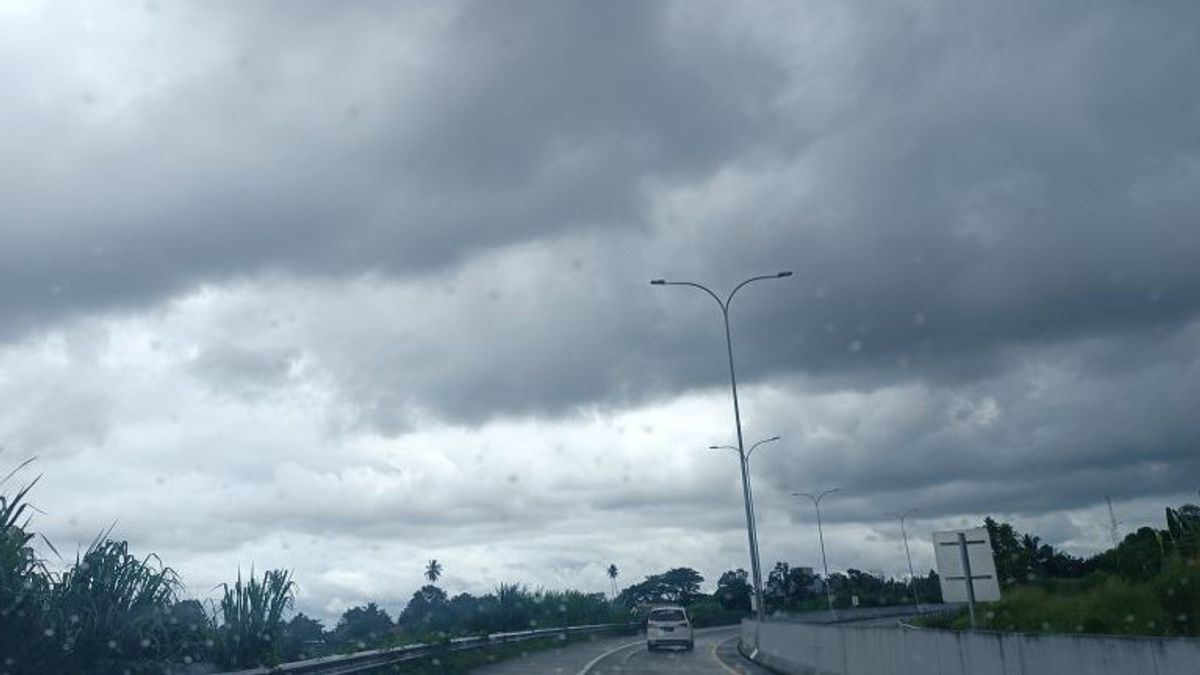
(111,611)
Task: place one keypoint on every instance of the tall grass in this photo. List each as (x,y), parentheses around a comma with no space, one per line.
(1167,605)
(110,611)
(251,615)
(107,613)
(24,582)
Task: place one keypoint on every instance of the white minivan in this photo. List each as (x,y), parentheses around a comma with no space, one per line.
(669,626)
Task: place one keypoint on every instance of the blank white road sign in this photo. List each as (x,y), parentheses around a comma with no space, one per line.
(950,567)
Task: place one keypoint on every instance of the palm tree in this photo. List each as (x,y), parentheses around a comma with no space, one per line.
(612,576)
(433,571)
(1037,556)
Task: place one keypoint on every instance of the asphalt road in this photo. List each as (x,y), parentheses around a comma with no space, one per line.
(715,654)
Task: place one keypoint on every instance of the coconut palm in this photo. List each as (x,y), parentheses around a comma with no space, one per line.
(433,571)
(1037,556)
(612,576)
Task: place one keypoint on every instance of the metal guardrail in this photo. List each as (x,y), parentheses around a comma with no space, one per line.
(358,662)
(851,615)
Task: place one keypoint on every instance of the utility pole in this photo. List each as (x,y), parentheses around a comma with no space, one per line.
(751,531)
(1112,523)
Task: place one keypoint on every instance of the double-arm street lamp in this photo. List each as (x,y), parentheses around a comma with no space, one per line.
(737,418)
(821,536)
(912,577)
(749,486)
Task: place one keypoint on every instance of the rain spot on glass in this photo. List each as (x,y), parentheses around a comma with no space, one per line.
(831,328)
(918,319)
(513,478)
(821,293)
(855,346)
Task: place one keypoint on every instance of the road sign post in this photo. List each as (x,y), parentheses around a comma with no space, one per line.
(966,557)
(966,564)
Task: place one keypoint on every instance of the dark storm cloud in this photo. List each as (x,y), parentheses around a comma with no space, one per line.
(946,181)
(415,217)
(315,142)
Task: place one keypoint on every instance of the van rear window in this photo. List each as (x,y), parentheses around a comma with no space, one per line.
(667,615)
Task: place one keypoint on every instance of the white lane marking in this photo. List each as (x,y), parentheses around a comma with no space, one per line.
(592,664)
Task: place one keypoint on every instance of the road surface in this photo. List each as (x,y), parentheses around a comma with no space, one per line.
(715,654)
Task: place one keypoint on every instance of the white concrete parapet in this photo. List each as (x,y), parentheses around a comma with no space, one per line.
(814,649)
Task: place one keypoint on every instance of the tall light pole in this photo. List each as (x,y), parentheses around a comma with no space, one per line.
(821,535)
(912,576)
(749,485)
(756,571)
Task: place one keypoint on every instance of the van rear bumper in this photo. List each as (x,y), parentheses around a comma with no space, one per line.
(669,642)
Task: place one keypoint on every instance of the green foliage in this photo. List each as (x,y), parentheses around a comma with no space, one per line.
(302,638)
(24,584)
(365,626)
(678,586)
(1114,607)
(1022,559)
(111,608)
(251,614)
(1100,603)
(426,612)
(788,587)
(433,571)
(1177,589)
(109,612)
(710,612)
(734,591)
(430,616)
(872,590)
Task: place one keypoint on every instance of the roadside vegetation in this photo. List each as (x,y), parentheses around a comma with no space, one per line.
(1149,584)
(111,610)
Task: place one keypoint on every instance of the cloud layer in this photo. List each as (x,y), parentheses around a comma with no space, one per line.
(344,288)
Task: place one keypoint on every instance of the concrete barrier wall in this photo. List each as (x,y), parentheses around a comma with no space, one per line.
(864,613)
(814,649)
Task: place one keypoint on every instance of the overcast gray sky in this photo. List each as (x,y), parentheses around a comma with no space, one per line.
(342,287)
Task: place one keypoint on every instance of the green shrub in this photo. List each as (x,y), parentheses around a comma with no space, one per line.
(710,613)
(251,615)
(109,612)
(1177,588)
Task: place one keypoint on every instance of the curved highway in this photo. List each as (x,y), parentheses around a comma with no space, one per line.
(715,654)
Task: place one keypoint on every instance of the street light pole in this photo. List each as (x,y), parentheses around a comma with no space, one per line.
(749,483)
(912,576)
(737,418)
(821,535)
